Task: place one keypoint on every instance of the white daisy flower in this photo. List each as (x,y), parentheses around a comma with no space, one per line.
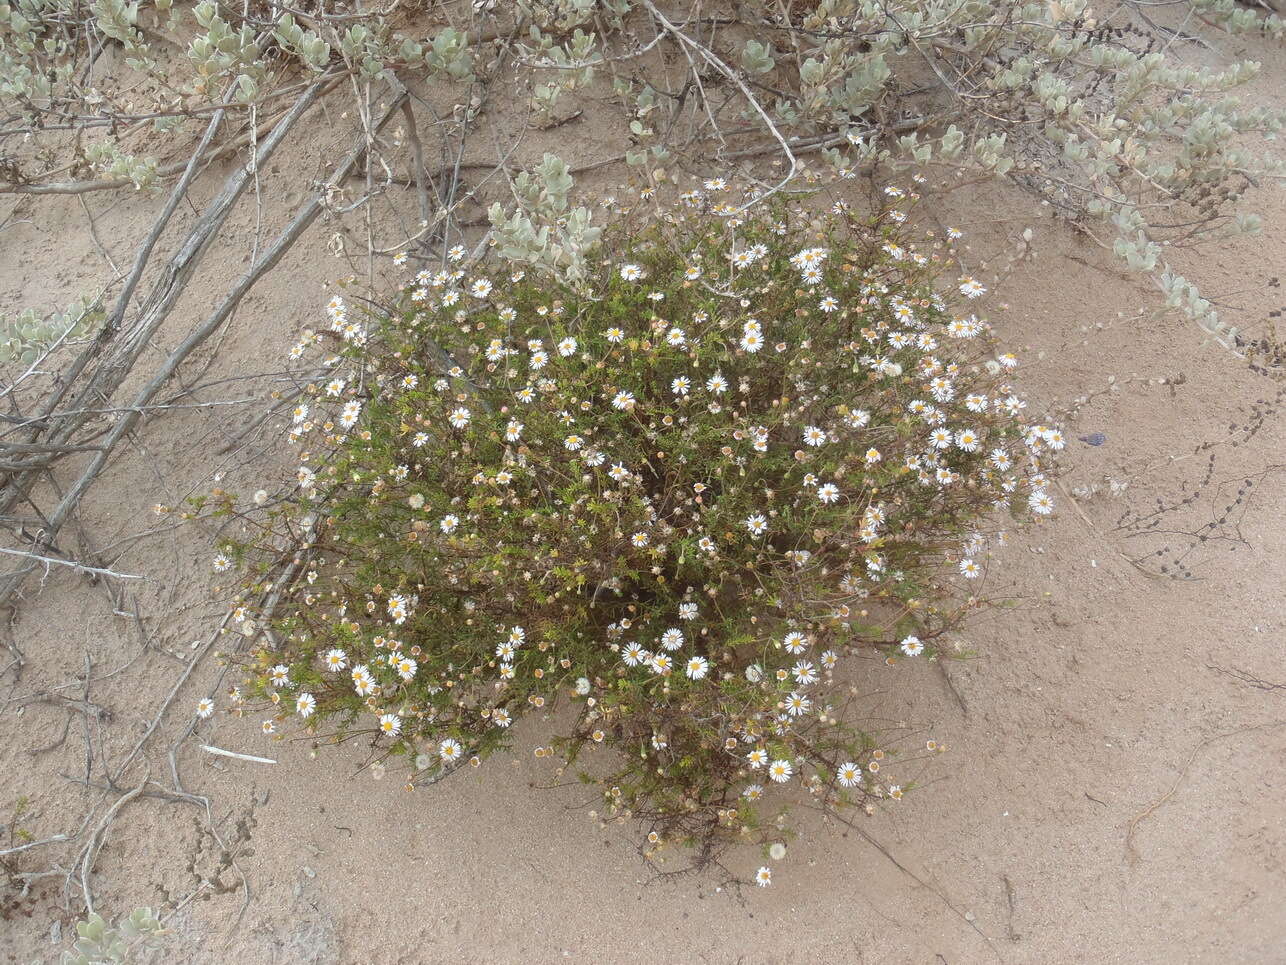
(797,704)
(804,672)
(780,770)
(795,642)
(349,414)
(848,774)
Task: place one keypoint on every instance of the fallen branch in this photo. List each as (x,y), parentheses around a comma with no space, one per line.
(81,567)
(240,757)
(164,171)
(112,324)
(157,308)
(417,158)
(90,851)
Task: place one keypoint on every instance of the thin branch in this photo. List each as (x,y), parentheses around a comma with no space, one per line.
(112,372)
(233,754)
(81,567)
(717,63)
(90,852)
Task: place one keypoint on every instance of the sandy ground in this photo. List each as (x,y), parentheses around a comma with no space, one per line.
(1115,789)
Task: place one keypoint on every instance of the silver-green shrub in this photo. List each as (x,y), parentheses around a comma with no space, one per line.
(544,230)
(99,943)
(28,335)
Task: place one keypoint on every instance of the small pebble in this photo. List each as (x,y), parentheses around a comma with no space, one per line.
(1094,439)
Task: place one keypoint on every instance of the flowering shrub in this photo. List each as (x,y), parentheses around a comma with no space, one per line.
(755,442)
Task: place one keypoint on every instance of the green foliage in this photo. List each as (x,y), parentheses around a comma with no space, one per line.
(225,51)
(117,19)
(449,54)
(17,834)
(307,45)
(545,231)
(106,158)
(35,48)
(745,446)
(100,943)
(571,67)
(27,336)
(564,15)
(757,58)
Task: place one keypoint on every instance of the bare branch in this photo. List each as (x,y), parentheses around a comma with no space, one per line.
(81,567)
